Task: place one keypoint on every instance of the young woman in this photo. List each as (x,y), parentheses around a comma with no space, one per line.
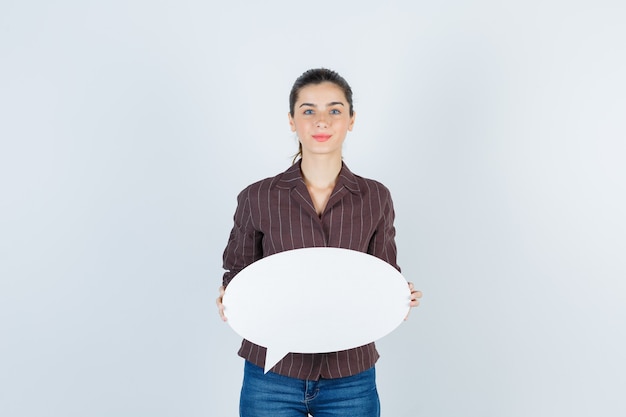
(318,201)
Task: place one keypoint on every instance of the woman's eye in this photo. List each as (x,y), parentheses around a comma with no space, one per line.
(308,111)
(335,111)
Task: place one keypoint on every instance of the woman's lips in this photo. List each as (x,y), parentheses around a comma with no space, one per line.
(321,137)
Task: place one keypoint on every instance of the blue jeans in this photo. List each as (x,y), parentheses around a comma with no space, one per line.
(273,395)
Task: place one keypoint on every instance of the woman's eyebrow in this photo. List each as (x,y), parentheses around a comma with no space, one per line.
(332,103)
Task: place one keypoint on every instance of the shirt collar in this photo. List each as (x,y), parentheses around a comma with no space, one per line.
(292,177)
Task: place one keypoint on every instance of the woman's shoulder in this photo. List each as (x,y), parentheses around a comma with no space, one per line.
(282,180)
(370,184)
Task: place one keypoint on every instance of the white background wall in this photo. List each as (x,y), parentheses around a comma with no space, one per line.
(128,127)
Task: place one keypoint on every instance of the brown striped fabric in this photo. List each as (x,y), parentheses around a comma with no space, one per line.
(277,214)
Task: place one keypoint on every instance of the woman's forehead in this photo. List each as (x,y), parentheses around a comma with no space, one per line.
(325,92)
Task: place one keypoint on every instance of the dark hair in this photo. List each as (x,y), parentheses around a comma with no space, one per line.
(313,77)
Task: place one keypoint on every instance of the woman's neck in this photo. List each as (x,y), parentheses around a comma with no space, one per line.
(320,172)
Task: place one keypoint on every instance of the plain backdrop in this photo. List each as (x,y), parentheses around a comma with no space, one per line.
(127,129)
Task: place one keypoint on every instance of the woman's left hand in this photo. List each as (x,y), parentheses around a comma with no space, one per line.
(220,306)
(415,296)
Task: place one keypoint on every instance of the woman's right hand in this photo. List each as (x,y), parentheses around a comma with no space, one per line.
(220,306)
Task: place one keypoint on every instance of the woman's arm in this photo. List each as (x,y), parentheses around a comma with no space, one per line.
(244,246)
(383,244)
(383,241)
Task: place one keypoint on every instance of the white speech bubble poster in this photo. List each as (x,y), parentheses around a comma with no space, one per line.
(316,300)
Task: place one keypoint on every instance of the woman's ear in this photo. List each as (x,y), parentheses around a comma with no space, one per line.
(292,124)
(351,125)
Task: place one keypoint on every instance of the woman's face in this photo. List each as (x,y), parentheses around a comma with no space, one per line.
(321,119)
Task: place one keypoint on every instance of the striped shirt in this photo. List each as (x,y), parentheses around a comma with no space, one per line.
(277,214)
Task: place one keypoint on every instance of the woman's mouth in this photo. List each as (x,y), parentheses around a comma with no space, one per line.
(321,137)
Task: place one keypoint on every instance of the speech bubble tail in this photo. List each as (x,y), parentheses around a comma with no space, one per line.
(273,356)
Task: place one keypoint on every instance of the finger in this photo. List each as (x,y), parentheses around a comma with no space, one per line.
(416,294)
(220,306)
(414,302)
(220,310)
(415,298)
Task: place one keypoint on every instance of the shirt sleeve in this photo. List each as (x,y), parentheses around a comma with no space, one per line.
(245,242)
(383,242)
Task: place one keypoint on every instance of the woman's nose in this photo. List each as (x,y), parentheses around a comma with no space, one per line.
(322,121)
